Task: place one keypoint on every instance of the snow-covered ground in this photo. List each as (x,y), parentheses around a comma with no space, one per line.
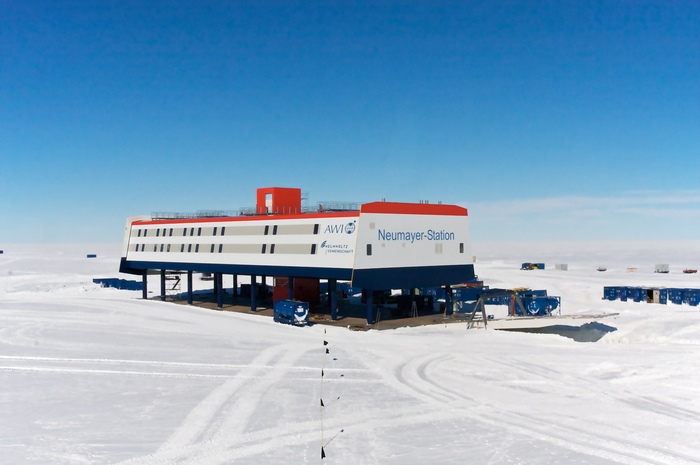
(91,375)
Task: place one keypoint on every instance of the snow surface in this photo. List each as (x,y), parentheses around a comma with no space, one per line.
(92,375)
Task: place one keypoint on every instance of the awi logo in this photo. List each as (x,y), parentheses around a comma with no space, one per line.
(340,228)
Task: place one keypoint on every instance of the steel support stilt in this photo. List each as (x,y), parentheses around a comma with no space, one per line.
(448,300)
(189,287)
(144,278)
(253,293)
(220,289)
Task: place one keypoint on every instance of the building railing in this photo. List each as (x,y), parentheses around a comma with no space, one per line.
(321,207)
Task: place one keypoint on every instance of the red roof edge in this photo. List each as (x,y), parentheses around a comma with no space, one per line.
(413,209)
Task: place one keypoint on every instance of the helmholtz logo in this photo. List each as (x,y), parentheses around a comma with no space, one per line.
(335,248)
(340,228)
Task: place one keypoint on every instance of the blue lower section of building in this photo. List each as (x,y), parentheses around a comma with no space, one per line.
(412,277)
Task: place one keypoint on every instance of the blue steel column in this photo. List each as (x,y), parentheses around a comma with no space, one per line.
(144,279)
(370,315)
(253,293)
(162,285)
(332,286)
(220,287)
(189,287)
(291,287)
(264,285)
(448,300)
(235,285)
(215,281)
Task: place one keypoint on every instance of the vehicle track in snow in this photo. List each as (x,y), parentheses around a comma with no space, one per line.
(575,382)
(427,385)
(219,421)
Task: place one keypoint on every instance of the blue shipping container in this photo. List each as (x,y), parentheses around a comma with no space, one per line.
(466,294)
(675,296)
(686,295)
(635,294)
(538,306)
(623,294)
(117,283)
(610,293)
(291,312)
(538,293)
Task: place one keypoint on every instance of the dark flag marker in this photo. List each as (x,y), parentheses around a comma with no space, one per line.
(325,343)
(323,454)
(328,351)
(321,373)
(322,403)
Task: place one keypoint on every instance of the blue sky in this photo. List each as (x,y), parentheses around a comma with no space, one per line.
(547,120)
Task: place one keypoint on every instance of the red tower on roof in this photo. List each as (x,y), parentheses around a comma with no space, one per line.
(279,200)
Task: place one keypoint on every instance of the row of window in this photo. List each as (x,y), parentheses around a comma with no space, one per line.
(264,249)
(213,247)
(169,231)
(438,248)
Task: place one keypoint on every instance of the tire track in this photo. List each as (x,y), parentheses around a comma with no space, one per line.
(218,423)
(572,438)
(174,364)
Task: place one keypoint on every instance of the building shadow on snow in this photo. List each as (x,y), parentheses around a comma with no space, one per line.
(590,332)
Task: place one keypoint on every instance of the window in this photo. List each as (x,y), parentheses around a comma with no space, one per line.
(263,248)
(171,232)
(316,229)
(161,247)
(196,248)
(214,231)
(369,249)
(274,230)
(189,248)
(184,231)
(182,248)
(313,249)
(139,233)
(145,232)
(157,232)
(272,247)
(155,247)
(164,229)
(212,249)
(192,232)
(221,247)
(223,228)
(168,248)
(461,247)
(267,229)
(199,232)
(137,247)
